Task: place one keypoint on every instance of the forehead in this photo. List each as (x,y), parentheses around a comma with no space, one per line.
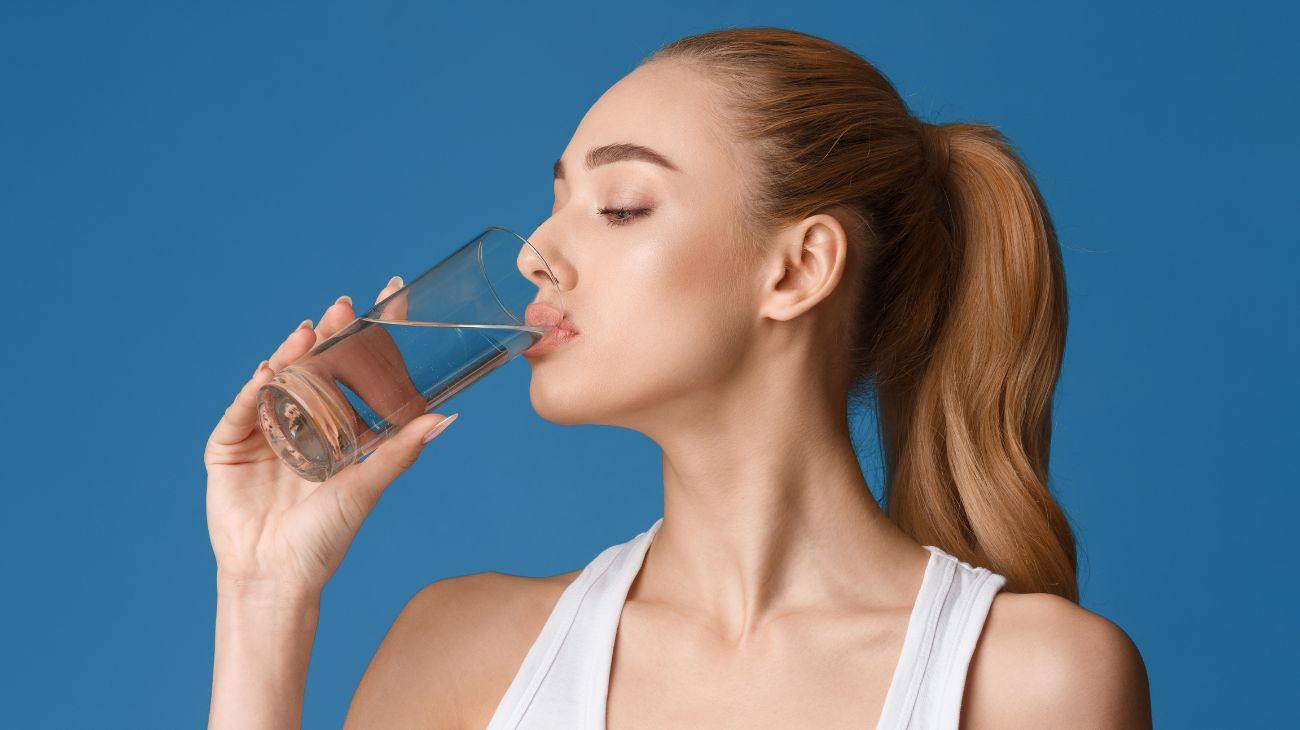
(664,106)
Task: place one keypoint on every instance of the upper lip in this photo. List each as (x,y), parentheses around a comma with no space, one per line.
(545,314)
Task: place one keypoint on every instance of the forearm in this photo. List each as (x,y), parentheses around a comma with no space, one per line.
(263,646)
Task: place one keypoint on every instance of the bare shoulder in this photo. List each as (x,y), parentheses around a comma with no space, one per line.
(1043,661)
(452,651)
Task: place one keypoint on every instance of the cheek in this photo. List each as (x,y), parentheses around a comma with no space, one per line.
(671,311)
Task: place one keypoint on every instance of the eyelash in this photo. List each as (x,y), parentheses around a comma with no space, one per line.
(630,213)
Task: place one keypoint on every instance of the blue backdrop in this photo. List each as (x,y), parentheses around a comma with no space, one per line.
(179,186)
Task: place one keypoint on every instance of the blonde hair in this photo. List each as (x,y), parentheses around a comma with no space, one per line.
(961,314)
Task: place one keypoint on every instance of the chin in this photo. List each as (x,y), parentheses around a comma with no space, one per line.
(561,403)
(570,397)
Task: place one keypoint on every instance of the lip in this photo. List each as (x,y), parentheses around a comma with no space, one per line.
(561,329)
(553,338)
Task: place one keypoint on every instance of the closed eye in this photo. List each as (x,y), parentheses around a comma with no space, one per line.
(623,216)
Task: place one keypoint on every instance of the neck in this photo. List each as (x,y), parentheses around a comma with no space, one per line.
(766,516)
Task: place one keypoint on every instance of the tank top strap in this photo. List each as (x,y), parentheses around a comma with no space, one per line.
(571,653)
(945,624)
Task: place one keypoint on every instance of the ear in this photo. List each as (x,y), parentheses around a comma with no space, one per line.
(808,262)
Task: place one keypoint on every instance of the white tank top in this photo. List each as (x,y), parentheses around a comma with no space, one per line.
(563,681)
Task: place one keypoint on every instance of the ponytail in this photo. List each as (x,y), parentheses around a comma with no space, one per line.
(967,431)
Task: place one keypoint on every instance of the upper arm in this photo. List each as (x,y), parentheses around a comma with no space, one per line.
(440,655)
(410,681)
(452,652)
(1043,661)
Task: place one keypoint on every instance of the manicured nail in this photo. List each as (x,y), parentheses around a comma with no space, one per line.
(345,299)
(395,281)
(306,324)
(439,428)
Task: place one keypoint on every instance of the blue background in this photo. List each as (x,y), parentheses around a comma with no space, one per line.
(179,186)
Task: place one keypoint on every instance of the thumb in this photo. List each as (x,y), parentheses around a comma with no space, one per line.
(401,450)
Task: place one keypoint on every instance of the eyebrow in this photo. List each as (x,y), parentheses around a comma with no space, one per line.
(617,152)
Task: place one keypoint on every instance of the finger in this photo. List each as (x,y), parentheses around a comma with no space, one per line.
(240,417)
(394,298)
(298,343)
(396,307)
(336,317)
(368,479)
(393,285)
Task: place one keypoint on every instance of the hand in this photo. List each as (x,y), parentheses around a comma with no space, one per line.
(270,528)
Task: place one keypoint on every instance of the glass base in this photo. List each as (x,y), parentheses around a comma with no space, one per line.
(305,426)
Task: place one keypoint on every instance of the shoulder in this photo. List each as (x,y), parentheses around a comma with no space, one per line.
(1042,660)
(453,650)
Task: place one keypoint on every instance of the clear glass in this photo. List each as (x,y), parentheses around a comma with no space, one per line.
(457,322)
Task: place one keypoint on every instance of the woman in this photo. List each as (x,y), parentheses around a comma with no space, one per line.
(790,241)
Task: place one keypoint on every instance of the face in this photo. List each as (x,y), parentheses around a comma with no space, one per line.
(648,258)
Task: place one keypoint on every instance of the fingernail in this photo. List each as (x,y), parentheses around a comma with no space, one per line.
(306,324)
(345,299)
(395,281)
(259,367)
(439,428)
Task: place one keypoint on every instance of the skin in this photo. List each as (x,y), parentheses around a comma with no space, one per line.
(776,593)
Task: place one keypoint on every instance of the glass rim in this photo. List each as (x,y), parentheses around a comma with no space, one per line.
(547,264)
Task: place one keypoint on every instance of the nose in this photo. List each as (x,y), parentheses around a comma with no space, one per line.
(542,264)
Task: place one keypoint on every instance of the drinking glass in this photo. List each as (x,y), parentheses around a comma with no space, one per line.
(455,323)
